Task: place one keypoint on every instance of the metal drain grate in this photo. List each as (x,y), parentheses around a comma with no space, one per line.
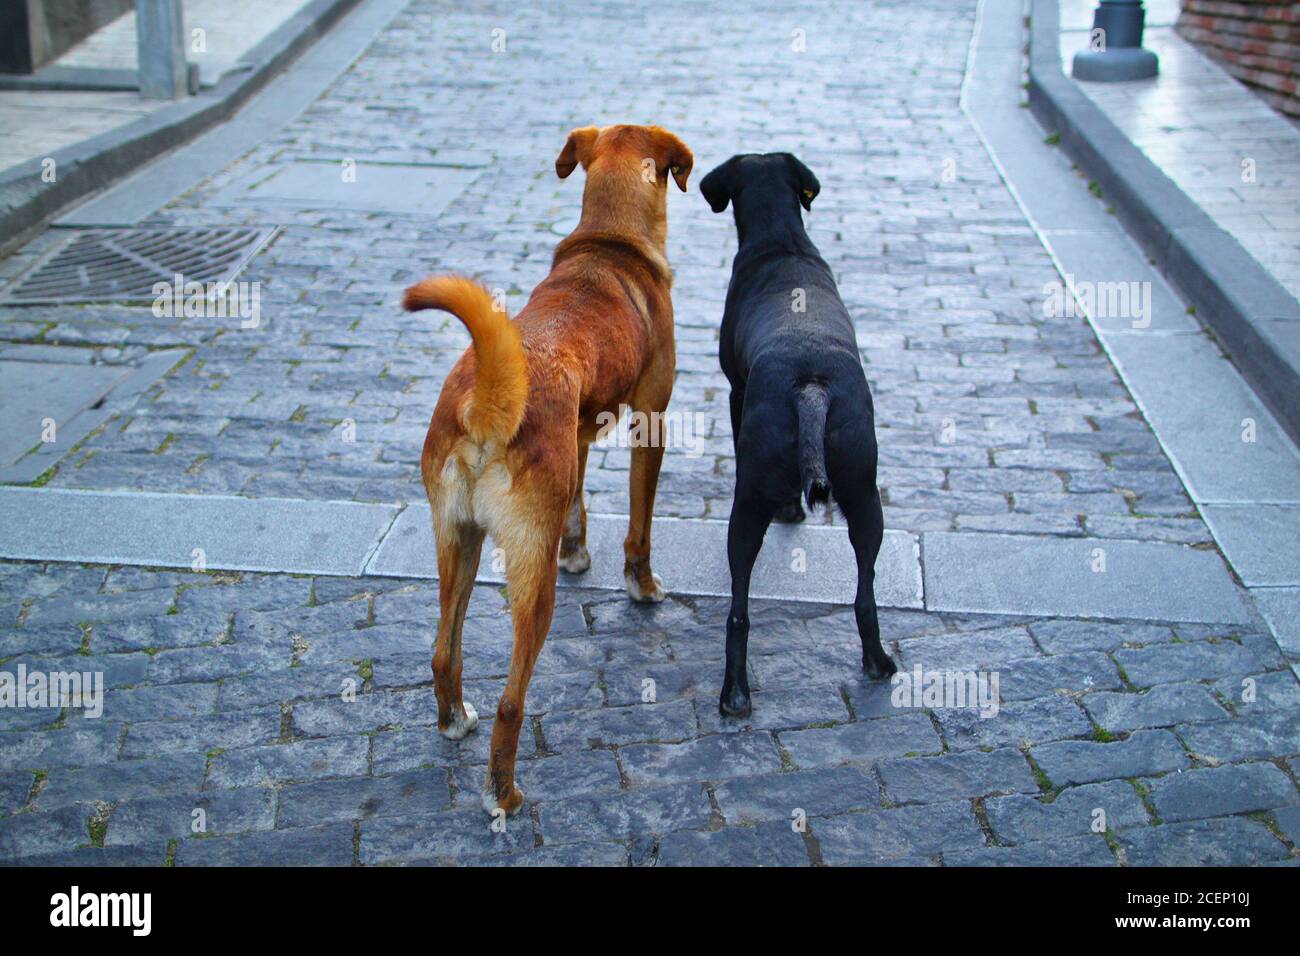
(122,265)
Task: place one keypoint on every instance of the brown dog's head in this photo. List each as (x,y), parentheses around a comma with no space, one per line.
(627,173)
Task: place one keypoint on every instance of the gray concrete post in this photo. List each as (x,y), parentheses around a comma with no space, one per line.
(1115,53)
(160,51)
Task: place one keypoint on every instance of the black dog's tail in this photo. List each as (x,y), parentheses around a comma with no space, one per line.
(812,403)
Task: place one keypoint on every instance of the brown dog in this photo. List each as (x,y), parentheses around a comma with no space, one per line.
(507,448)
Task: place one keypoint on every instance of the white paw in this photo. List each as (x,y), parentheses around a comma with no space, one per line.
(645,597)
(461,725)
(576,562)
(491,806)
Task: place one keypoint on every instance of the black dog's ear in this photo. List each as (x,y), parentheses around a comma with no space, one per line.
(808,185)
(716,187)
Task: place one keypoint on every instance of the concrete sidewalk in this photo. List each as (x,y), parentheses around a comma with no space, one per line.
(1178,161)
(1223,145)
(35,124)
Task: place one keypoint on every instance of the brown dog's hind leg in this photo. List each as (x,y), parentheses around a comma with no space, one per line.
(530,576)
(458,556)
(574,556)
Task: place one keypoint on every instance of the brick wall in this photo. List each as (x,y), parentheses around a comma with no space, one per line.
(1257,41)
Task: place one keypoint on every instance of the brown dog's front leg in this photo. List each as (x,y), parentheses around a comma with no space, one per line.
(642,583)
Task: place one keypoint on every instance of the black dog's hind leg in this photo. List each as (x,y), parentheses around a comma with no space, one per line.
(737,407)
(866,531)
(792,511)
(748,525)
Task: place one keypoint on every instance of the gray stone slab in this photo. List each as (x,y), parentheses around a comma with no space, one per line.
(1221,791)
(130,381)
(1074,811)
(1016,574)
(1096,261)
(1265,735)
(314,846)
(1090,850)
(1261,542)
(159,530)
(1229,841)
(690,555)
(1144,753)
(1200,415)
(768,844)
(373,187)
(31,392)
(856,839)
(1281,609)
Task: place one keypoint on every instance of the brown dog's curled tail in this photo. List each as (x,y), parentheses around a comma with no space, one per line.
(496,407)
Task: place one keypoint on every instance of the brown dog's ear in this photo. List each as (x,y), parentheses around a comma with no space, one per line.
(672,155)
(576,150)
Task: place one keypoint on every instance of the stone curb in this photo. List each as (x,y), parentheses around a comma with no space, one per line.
(92,164)
(970,572)
(1256,319)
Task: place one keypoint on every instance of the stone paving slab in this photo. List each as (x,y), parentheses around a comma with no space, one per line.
(1228,447)
(691,556)
(285,761)
(33,393)
(1261,540)
(1281,608)
(376,187)
(47,383)
(307,537)
(1015,574)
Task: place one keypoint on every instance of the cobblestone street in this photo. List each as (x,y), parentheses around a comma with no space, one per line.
(296,711)
(241,714)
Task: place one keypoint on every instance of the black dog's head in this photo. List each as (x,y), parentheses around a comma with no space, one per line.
(760,178)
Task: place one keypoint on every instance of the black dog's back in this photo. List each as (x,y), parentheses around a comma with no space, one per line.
(788,348)
(800,408)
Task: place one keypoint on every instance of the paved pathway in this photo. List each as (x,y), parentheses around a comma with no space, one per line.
(295,711)
(991,416)
(1166,735)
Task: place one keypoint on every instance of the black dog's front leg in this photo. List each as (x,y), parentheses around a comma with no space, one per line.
(749,521)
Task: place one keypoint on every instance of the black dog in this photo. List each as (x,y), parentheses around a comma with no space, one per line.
(801,412)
